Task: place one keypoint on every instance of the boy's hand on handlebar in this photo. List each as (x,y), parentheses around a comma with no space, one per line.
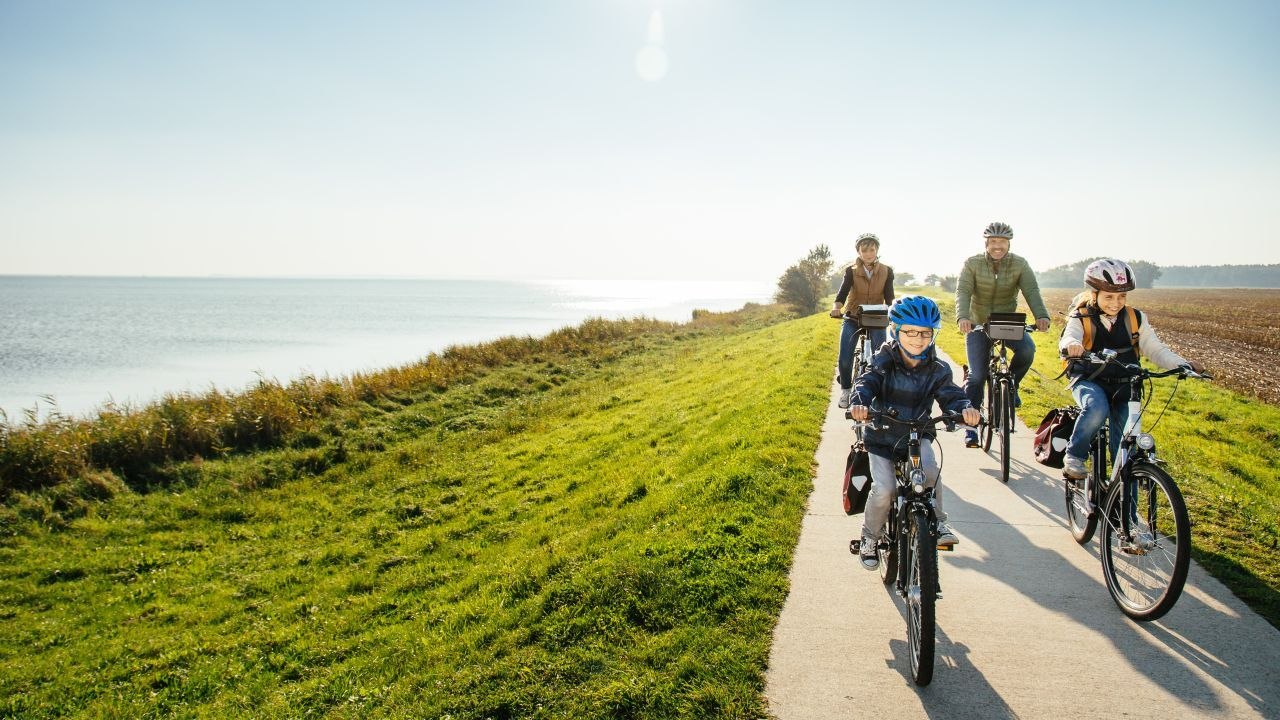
(965,326)
(1196,366)
(1075,349)
(971,417)
(858,412)
(835,312)
(1042,324)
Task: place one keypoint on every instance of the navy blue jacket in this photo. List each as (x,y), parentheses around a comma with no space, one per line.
(889,383)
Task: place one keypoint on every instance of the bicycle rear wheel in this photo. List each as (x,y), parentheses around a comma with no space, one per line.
(993,415)
(1004,396)
(1145,559)
(1080,521)
(921,596)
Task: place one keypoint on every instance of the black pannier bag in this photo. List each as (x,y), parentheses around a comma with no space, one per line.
(1050,444)
(857,480)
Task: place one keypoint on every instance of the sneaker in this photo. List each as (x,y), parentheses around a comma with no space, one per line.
(845,396)
(1073,467)
(867,553)
(945,536)
(971,438)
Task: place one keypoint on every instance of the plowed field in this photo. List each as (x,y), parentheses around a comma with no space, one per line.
(1235,333)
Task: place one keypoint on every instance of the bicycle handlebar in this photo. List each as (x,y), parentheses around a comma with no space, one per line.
(1108,357)
(874,416)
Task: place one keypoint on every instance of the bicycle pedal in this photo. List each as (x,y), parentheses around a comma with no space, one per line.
(854,546)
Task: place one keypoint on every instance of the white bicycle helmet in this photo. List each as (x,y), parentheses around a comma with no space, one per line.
(867,239)
(998,229)
(1109,275)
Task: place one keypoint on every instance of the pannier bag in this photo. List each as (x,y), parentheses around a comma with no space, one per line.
(857,480)
(873,316)
(1050,444)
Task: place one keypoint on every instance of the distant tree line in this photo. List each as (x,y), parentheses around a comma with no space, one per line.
(1151,275)
(1249,276)
(1070,276)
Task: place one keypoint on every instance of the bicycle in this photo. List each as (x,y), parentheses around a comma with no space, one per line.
(1001,328)
(870,317)
(1145,548)
(908,550)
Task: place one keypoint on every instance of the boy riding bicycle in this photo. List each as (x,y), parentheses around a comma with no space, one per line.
(905,377)
(1103,393)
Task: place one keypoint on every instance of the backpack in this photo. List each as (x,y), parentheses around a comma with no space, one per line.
(857,480)
(1050,442)
(1079,308)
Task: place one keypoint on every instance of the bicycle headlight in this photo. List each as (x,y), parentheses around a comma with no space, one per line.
(1146,442)
(919,488)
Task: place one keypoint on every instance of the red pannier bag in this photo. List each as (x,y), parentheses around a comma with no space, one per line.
(857,480)
(1050,443)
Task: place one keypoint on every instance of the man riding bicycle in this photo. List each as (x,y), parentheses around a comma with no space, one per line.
(866,282)
(989,283)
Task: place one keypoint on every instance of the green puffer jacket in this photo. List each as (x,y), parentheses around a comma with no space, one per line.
(983,288)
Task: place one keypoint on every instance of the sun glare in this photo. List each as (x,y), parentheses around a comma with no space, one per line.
(651,61)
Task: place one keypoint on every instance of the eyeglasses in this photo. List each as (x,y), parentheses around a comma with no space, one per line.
(926,334)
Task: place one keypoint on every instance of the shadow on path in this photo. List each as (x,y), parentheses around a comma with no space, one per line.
(1147,647)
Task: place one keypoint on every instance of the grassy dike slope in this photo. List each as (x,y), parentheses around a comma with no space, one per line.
(1221,447)
(614,543)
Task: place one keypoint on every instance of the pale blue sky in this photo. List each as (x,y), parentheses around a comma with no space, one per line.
(517,139)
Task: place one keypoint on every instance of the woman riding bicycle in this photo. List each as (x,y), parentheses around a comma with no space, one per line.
(989,283)
(1103,393)
(866,282)
(905,376)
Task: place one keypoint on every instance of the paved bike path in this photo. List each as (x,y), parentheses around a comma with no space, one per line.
(1026,627)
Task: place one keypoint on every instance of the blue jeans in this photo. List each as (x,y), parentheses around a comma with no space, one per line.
(848,338)
(978,349)
(1096,408)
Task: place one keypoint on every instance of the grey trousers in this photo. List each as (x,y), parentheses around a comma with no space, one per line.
(883,487)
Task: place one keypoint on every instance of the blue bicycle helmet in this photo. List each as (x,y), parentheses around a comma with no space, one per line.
(916,310)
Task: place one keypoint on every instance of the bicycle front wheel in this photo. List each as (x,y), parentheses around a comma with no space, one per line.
(1004,396)
(1146,542)
(921,596)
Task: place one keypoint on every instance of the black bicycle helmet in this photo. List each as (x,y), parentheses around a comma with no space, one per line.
(998,229)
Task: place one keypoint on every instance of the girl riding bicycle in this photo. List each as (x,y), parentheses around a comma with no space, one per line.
(905,377)
(1099,321)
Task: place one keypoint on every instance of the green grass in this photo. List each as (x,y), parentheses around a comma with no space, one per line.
(568,535)
(1223,449)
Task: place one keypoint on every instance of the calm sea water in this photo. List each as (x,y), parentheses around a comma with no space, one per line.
(84,341)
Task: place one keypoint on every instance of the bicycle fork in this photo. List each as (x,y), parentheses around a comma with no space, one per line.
(1129,494)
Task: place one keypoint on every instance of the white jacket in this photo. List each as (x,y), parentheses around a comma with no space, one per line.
(1149,344)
